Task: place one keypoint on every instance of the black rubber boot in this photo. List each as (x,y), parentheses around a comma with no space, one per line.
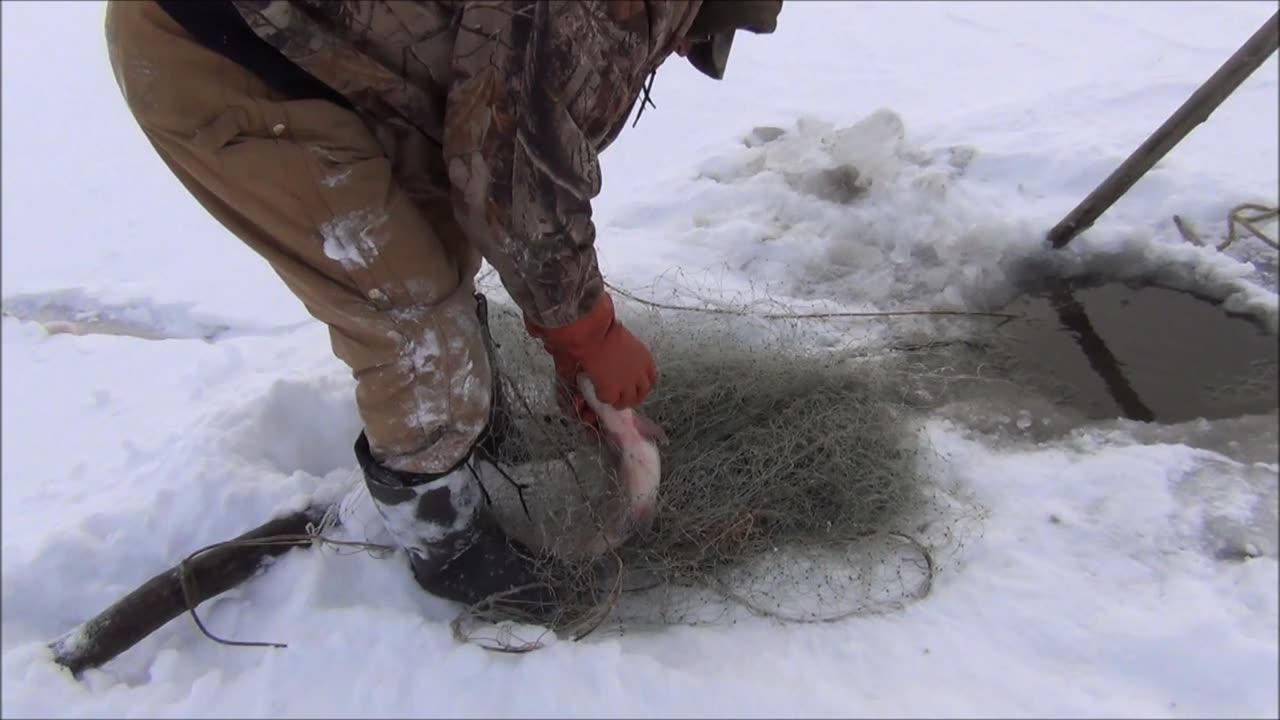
(456,548)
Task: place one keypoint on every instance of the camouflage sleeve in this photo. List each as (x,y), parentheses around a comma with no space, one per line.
(538,90)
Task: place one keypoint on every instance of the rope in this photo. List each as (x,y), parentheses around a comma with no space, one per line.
(1235,218)
(187,581)
(803,316)
(1005,317)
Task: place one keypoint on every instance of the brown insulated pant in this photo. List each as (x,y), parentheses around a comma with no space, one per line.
(312,189)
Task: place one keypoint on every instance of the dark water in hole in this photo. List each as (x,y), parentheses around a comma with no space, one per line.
(1144,353)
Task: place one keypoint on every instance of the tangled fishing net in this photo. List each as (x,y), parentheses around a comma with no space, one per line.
(794,486)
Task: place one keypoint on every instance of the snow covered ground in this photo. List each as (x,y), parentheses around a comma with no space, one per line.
(1123,570)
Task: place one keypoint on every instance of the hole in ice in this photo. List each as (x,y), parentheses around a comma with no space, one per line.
(1141,352)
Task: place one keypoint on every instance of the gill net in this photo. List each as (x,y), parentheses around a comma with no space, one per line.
(796,485)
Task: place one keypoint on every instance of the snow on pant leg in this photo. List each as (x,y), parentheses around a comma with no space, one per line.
(308,186)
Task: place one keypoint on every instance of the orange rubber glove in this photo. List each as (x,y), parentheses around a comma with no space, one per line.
(598,346)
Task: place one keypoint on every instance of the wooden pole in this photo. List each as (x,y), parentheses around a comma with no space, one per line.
(1194,111)
(163,597)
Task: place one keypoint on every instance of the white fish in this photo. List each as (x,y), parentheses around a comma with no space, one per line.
(632,442)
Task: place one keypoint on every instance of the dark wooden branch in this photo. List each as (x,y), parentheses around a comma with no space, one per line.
(161,599)
(1194,111)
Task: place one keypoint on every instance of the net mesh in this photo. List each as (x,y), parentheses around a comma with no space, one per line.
(795,485)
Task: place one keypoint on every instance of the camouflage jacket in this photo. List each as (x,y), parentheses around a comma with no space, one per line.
(520,98)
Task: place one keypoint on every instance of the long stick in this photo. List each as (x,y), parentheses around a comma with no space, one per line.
(164,597)
(1194,111)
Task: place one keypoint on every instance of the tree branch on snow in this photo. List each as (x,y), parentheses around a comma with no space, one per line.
(204,574)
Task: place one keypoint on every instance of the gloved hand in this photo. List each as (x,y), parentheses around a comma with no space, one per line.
(598,346)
